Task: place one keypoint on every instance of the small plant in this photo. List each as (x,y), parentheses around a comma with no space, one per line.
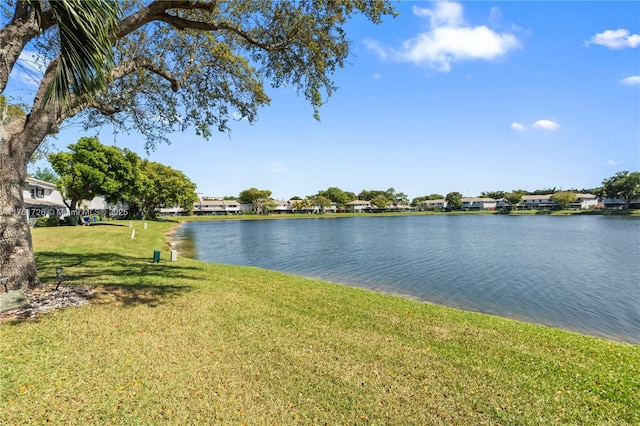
(45,222)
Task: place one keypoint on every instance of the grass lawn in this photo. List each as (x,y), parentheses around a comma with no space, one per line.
(188,342)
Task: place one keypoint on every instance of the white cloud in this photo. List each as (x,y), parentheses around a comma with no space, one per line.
(376,76)
(444,14)
(449,39)
(546,125)
(613,163)
(517,127)
(633,80)
(615,39)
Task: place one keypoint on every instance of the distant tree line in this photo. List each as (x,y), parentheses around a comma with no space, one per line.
(623,185)
(122,175)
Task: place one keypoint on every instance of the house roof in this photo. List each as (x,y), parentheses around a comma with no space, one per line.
(40,183)
(478,199)
(31,203)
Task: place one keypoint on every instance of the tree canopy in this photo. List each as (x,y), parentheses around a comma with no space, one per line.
(338,196)
(624,184)
(252,194)
(454,200)
(514,197)
(564,198)
(161,186)
(90,169)
(45,174)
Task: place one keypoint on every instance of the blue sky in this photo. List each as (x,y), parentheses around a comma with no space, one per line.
(467,97)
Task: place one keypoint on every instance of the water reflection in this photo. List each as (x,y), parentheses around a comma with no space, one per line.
(578,273)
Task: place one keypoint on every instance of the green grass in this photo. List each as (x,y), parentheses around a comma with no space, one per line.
(196,343)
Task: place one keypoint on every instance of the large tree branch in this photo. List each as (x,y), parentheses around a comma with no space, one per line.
(158,11)
(77,103)
(14,37)
(129,67)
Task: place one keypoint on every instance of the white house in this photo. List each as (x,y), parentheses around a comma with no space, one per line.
(358,206)
(216,207)
(585,202)
(540,202)
(282,206)
(536,202)
(437,204)
(479,203)
(42,199)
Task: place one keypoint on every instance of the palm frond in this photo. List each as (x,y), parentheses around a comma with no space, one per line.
(86,53)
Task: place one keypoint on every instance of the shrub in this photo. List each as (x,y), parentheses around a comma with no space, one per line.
(45,222)
(71,220)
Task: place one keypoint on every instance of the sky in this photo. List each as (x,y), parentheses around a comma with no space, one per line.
(467,97)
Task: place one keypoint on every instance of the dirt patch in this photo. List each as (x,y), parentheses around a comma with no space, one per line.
(48,299)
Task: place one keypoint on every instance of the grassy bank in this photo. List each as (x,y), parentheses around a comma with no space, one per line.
(193,343)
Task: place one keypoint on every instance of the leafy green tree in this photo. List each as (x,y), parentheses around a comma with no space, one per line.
(11,111)
(564,198)
(338,196)
(250,195)
(625,185)
(322,202)
(514,198)
(416,201)
(299,205)
(161,186)
(542,191)
(454,200)
(370,195)
(496,195)
(265,206)
(259,200)
(156,67)
(90,169)
(400,199)
(45,174)
(380,201)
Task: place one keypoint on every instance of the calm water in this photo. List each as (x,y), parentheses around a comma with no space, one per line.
(578,273)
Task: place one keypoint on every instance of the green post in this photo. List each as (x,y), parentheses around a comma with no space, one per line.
(156,256)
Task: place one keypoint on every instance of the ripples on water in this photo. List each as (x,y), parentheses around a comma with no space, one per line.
(578,273)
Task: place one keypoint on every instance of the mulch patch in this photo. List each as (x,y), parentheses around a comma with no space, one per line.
(46,299)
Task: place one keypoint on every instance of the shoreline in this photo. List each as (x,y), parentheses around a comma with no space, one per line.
(169,234)
(501,313)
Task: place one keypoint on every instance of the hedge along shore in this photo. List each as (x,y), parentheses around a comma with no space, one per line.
(189,342)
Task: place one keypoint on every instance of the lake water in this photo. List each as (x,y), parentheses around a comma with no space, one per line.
(580,273)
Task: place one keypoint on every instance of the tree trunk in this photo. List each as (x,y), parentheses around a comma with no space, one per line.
(18,141)
(16,249)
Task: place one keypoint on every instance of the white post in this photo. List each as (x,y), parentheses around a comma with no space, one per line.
(133,233)
(145,225)
(130,224)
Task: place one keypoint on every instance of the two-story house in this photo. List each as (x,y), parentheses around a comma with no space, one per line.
(42,199)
